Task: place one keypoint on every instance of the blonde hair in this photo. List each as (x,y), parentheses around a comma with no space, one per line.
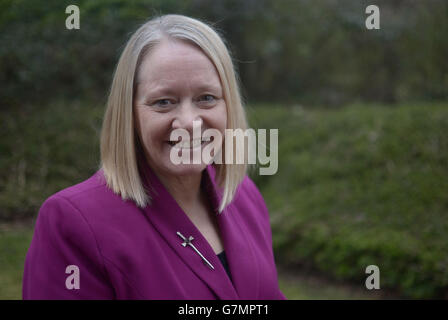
(119,141)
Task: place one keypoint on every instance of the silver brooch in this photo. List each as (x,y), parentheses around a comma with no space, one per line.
(187,242)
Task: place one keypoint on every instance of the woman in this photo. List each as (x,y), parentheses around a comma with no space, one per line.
(143,227)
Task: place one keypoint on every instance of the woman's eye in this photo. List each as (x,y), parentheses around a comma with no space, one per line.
(163,103)
(207,98)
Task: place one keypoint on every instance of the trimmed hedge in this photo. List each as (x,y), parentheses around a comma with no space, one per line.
(363,185)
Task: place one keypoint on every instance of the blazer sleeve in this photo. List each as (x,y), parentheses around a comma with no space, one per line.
(63,260)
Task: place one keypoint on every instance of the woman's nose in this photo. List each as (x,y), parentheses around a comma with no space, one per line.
(187,117)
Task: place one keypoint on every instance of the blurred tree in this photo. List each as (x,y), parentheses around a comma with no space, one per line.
(313,52)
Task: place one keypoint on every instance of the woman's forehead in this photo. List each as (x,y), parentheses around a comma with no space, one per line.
(174,55)
(177,63)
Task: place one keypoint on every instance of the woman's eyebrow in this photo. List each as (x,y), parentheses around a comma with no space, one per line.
(156,90)
(209,87)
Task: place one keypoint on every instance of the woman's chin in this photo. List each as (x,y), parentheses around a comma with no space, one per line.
(185,169)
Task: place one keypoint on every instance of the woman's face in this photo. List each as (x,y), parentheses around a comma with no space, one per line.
(176,85)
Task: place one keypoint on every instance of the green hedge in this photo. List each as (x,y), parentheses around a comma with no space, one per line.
(44,149)
(358,186)
(363,185)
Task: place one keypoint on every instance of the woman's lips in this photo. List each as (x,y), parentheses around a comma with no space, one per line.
(188,144)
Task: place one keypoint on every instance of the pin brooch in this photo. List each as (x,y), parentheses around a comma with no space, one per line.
(188,242)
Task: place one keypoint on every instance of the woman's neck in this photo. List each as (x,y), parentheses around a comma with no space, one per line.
(186,190)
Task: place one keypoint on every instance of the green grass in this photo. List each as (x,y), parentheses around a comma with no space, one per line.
(14,243)
(298,285)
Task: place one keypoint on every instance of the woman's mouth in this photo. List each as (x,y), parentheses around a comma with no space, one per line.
(188,144)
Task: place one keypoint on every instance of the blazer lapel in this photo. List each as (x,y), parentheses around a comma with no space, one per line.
(168,218)
(240,250)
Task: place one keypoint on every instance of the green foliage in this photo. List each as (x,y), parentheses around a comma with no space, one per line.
(318,52)
(43,150)
(360,186)
(41,60)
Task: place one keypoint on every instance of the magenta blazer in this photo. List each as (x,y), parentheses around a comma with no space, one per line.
(125,252)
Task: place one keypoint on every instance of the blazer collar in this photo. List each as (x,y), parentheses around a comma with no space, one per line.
(168,218)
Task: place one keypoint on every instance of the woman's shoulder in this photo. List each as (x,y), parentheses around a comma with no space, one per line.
(249,186)
(94,185)
(89,212)
(249,190)
(250,200)
(250,212)
(91,198)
